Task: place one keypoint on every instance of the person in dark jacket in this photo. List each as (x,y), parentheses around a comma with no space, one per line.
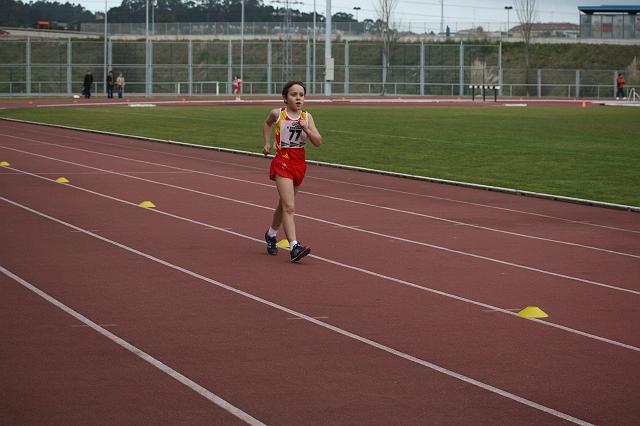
(86,85)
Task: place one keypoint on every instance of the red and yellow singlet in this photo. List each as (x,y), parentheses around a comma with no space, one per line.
(289,161)
(290,138)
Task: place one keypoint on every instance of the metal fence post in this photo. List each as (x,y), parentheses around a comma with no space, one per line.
(384,70)
(346,67)
(229,68)
(269,64)
(539,83)
(150,67)
(500,66)
(110,54)
(421,68)
(146,66)
(190,68)
(615,87)
(28,66)
(577,83)
(307,74)
(69,68)
(105,58)
(461,73)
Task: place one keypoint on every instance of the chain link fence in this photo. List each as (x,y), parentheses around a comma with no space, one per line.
(193,68)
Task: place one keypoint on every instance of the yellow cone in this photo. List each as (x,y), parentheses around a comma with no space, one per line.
(532,312)
(147,205)
(283,244)
(4,164)
(62,180)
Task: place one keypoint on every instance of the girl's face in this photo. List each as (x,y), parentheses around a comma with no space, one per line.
(295,97)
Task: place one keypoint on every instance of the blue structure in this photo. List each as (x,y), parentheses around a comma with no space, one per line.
(610,22)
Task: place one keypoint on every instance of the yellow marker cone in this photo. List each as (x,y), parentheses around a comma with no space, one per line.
(532,312)
(4,164)
(283,244)
(62,180)
(147,205)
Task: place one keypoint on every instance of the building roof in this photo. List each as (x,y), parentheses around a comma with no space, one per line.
(553,26)
(606,9)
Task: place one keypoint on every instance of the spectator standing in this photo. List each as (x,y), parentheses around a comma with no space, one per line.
(110,84)
(120,85)
(620,86)
(86,84)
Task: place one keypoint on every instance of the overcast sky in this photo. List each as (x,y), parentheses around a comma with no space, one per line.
(428,11)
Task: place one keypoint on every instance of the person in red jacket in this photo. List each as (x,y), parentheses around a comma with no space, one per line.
(237,87)
(620,86)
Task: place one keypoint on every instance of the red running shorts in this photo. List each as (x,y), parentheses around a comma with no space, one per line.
(293,171)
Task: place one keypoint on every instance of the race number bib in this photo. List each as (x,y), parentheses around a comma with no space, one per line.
(292,135)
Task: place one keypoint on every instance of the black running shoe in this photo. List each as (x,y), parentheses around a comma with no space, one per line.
(298,252)
(272,248)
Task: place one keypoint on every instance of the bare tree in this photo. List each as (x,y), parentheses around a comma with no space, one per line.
(527,12)
(384,9)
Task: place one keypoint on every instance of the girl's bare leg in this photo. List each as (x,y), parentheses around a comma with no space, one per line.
(277,216)
(283,215)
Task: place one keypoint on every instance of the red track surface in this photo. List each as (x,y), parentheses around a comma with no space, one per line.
(403,314)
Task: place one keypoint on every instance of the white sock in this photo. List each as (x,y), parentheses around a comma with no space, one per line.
(293,243)
(272,232)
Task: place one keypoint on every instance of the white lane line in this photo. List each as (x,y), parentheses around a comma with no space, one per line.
(128,346)
(355,268)
(437,218)
(103,173)
(274,305)
(87,325)
(176,102)
(298,318)
(366,231)
(471,225)
(452,200)
(135,148)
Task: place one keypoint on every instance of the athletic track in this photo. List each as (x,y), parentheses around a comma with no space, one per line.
(404,313)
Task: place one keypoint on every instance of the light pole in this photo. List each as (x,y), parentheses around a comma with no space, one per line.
(441,16)
(153,18)
(146,43)
(357,8)
(106,64)
(242,44)
(508,8)
(328,59)
(313,69)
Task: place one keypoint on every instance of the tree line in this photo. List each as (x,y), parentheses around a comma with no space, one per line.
(16,13)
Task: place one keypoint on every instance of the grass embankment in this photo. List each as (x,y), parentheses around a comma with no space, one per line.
(590,153)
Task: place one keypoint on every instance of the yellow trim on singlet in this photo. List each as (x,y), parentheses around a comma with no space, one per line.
(282,116)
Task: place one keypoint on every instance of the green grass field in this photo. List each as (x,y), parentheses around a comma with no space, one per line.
(591,153)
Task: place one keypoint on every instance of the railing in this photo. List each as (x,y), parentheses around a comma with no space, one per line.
(369,88)
(59,88)
(297,29)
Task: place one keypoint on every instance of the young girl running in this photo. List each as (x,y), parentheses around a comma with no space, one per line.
(292,127)
(237,85)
